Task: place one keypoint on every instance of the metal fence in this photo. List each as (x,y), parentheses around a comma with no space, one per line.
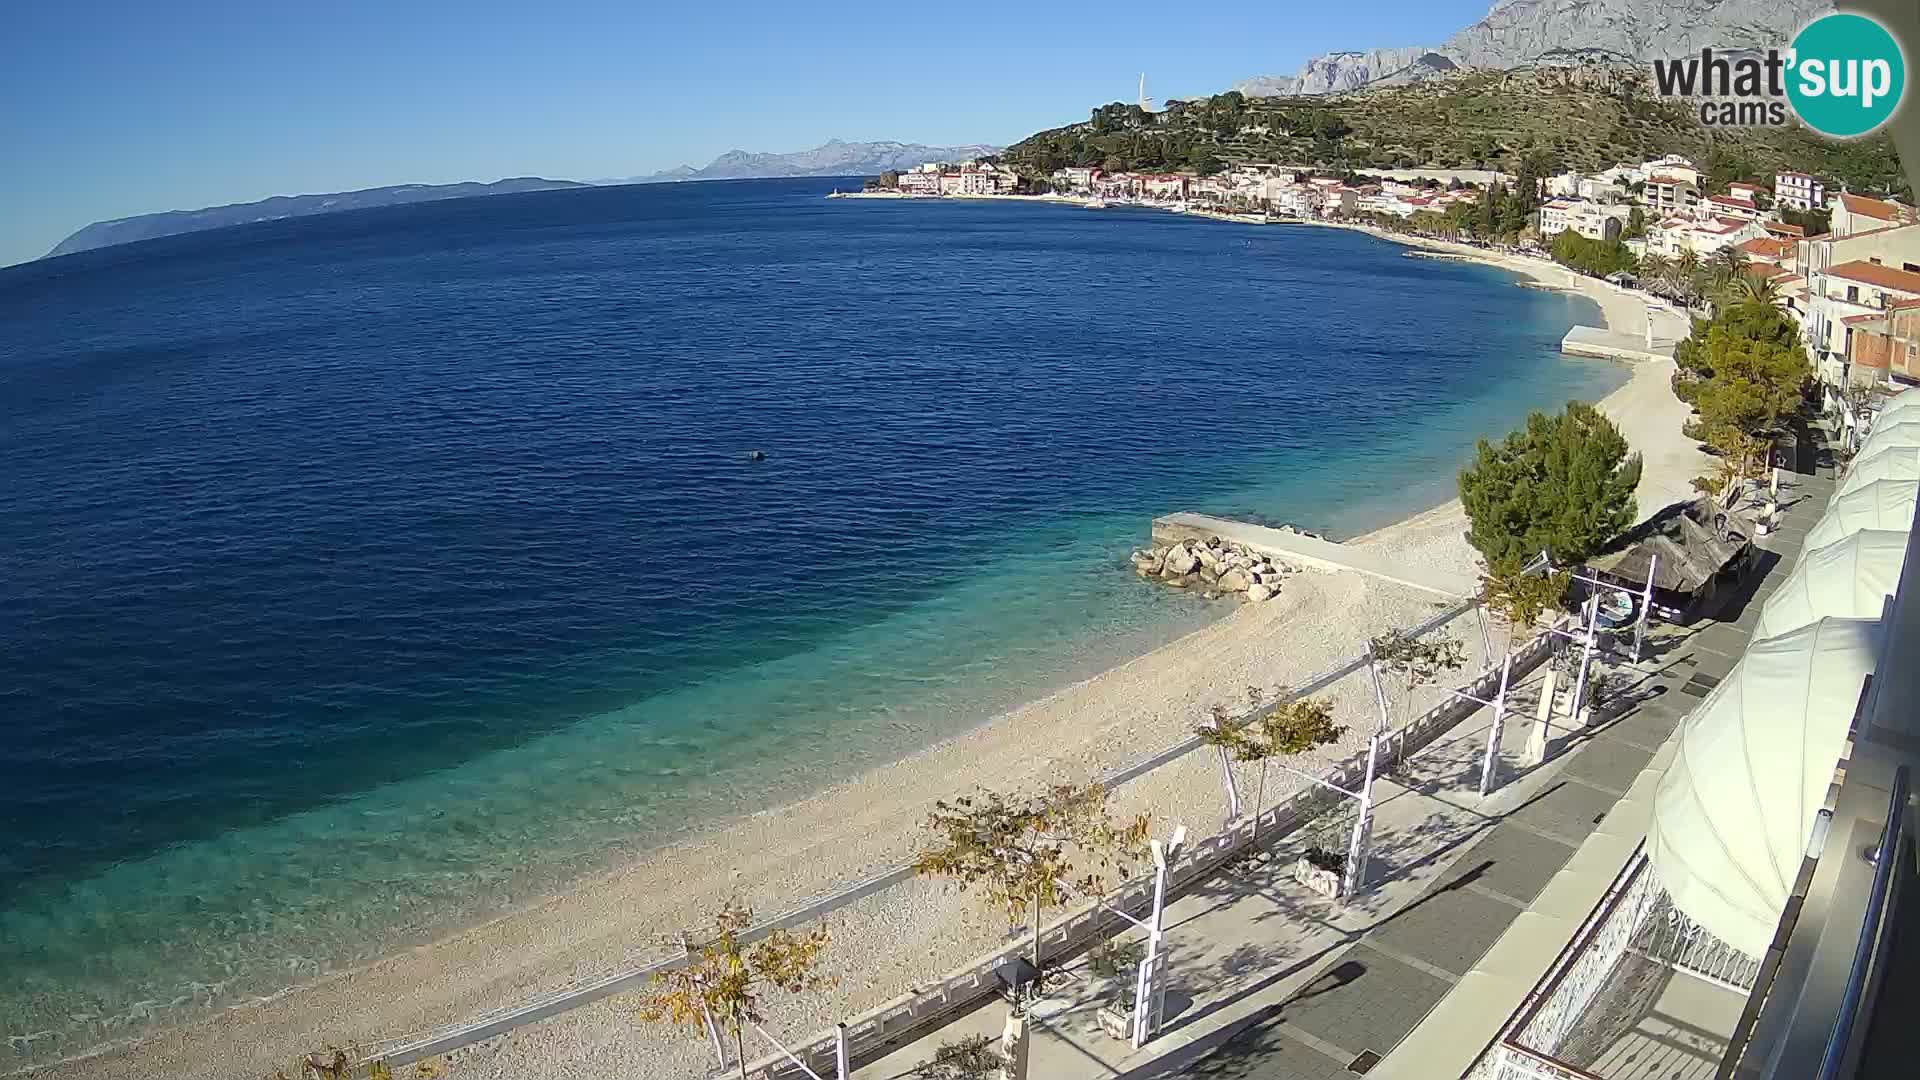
(1635,916)
(1669,937)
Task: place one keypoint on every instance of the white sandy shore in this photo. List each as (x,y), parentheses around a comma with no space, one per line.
(884,944)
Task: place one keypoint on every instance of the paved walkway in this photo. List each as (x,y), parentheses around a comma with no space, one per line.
(1269,981)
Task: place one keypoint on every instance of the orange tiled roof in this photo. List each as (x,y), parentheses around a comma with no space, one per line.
(1885,277)
(1765,247)
(1875,208)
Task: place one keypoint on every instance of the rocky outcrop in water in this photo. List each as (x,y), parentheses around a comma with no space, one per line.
(1213,566)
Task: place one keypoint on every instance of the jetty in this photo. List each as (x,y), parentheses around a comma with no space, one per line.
(1612,345)
(1292,546)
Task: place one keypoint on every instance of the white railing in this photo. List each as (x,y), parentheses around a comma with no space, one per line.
(913,1016)
(1669,937)
(1551,1012)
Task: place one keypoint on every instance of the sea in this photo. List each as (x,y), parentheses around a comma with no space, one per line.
(365,575)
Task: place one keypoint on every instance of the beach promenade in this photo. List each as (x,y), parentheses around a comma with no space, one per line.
(1270,982)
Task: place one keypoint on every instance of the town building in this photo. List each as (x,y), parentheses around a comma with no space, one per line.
(1850,214)
(1884,348)
(1668,193)
(1732,206)
(1589,219)
(1799,190)
(1675,236)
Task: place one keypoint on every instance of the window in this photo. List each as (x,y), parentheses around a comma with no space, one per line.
(1853,294)
(1875,260)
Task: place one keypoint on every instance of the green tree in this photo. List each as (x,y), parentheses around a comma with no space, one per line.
(726,980)
(1519,598)
(1636,224)
(1563,483)
(1595,258)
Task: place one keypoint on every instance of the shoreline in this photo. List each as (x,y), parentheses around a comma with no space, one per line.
(864,823)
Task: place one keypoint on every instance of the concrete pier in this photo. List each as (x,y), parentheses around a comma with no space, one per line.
(1613,345)
(1301,550)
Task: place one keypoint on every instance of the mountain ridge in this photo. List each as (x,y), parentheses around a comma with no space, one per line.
(126,230)
(834,157)
(1518,33)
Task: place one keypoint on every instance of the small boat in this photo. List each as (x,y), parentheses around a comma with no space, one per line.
(1614,610)
(1177,208)
(1095,204)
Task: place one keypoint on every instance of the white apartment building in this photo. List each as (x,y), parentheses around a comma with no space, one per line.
(1589,219)
(1799,190)
(1671,193)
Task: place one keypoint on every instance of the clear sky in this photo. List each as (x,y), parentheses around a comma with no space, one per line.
(109,109)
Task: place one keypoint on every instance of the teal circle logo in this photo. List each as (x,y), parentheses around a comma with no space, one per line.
(1846,75)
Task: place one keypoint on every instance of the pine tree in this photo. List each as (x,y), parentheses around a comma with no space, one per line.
(1563,483)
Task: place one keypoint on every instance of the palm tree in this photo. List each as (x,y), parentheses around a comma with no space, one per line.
(1686,277)
(1725,268)
(1654,270)
(1752,289)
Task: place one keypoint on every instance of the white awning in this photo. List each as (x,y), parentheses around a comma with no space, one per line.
(1899,403)
(1893,463)
(1733,813)
(1848,579)
(1891,431)
(1883,504)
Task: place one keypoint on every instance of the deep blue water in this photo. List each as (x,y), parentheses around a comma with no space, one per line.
(362,574)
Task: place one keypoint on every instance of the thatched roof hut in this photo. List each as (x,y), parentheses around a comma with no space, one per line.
(1690,546)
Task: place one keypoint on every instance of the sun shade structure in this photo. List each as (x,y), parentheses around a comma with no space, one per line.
(1691,546)
(1893,463)
(1883,504)
(1890,432)
(1733,814)
(1902,403)
(1848,579)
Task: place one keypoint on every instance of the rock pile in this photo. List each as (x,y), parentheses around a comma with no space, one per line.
(1215,566)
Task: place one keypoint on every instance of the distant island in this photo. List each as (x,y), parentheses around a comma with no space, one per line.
(174,222)
(832,158)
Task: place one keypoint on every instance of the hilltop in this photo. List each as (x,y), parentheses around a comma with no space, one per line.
(174,222)
(1585,117)
(1523,33)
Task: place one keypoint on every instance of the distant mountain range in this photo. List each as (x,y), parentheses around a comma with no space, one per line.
(834,158)
(1528,33)
(173,222)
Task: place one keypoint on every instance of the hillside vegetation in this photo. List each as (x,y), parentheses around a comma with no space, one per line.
(1583,118)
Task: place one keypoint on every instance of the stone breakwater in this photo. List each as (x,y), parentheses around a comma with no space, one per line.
(1214,566)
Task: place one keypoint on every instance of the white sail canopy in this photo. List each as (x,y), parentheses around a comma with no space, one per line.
(1892,431)
(1732,815)
(1903,402)
(1848,579)
(1893,463)
(1883,504)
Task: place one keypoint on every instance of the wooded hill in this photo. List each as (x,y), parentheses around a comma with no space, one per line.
(1584,118)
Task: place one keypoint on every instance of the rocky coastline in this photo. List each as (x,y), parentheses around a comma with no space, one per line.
(1215,567)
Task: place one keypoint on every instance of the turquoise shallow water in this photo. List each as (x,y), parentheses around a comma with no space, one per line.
(378,572)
